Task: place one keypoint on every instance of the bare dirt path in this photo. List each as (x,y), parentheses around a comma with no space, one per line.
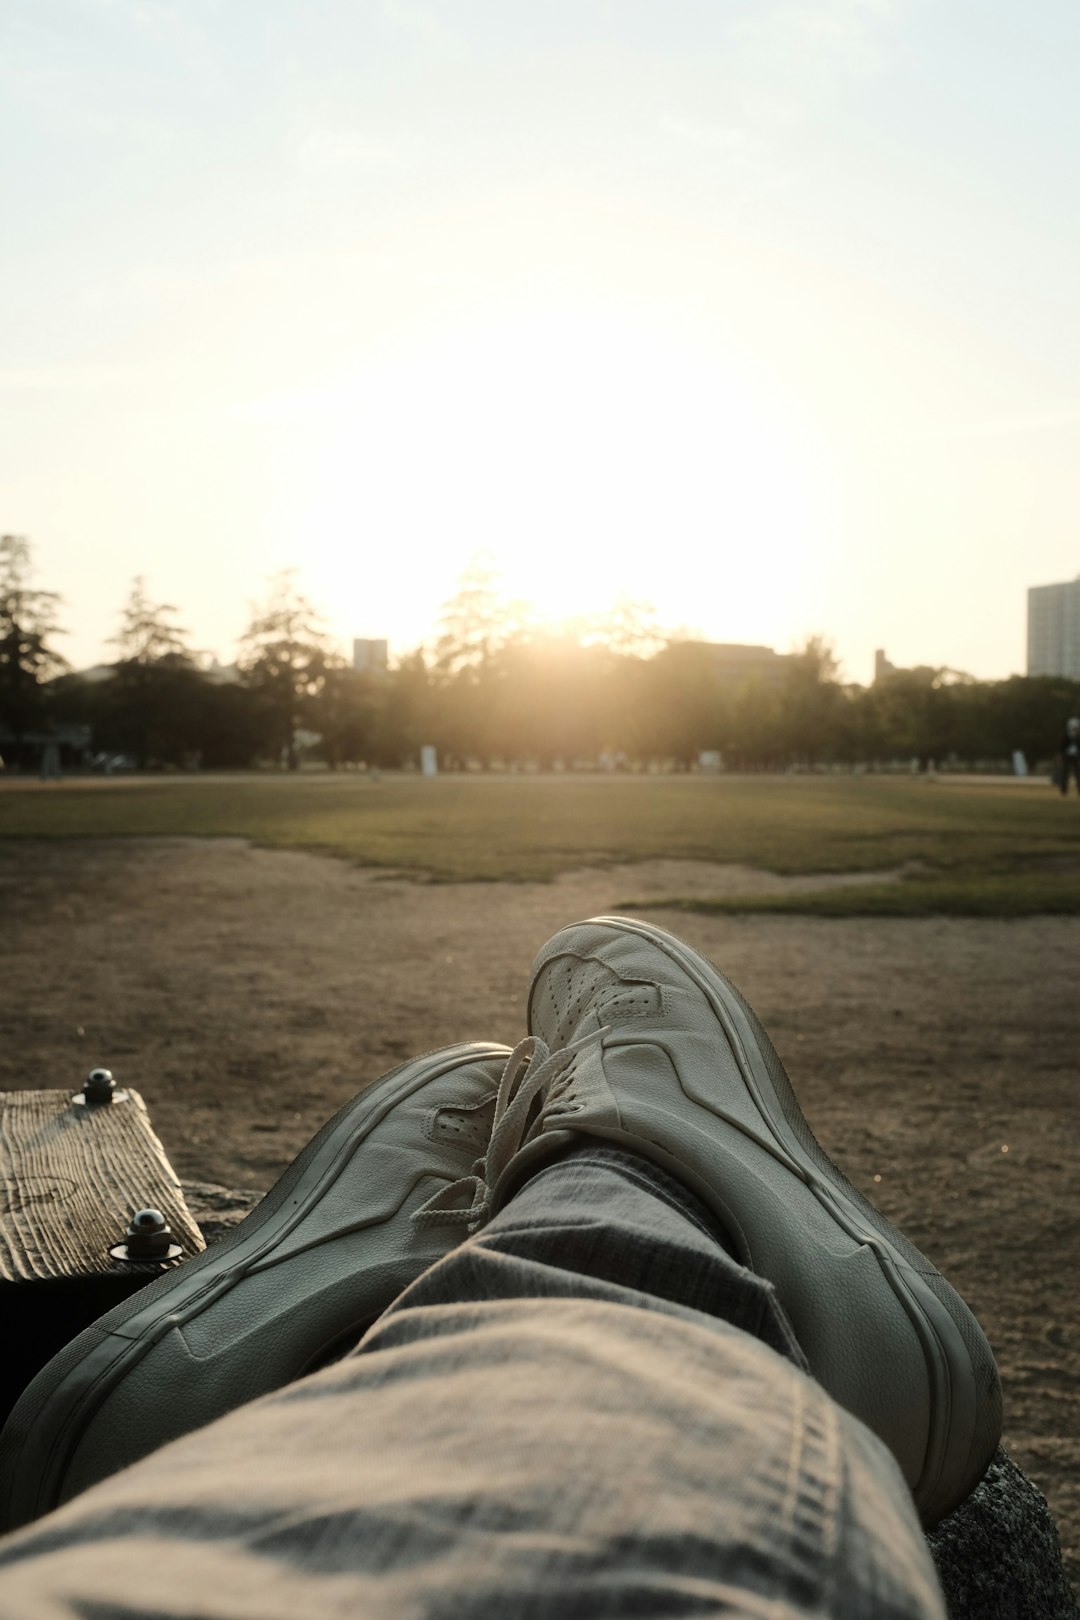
(249,993)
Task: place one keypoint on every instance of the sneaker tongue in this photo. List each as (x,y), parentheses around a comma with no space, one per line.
(588,1101)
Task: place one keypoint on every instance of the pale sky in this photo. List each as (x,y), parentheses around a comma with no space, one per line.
(764,313)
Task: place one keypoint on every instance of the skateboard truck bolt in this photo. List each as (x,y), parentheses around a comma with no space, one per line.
(147,1238)
(98,1087)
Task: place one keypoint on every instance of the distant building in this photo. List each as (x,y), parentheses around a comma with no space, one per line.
(928,674)
(1053,629)
(737,661)
(370,657)
(882,667)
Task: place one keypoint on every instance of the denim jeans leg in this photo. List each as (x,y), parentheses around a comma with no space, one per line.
(557,1422)
(609,1224)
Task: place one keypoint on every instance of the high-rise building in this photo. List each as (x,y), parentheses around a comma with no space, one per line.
(1053,629)
(370,656)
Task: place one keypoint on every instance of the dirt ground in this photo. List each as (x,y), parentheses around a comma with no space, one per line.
(248,993)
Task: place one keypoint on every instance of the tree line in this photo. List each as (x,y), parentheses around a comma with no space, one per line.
(494,689)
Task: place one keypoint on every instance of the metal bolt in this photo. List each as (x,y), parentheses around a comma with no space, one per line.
(99,1087)
(148,1237)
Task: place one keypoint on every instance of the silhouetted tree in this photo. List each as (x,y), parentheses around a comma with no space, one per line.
(405,720)
(629,628)
(915,713)
(347,712)
(1027,712)
(151,705)
(284,657)
(756,728)
(475,626)
(146,632)
(812,703)
(549,700)
(473,622)
(231,727)
(27,660)
(684,704)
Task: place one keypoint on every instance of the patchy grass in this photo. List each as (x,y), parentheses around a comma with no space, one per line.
(1011,894)
(980,848)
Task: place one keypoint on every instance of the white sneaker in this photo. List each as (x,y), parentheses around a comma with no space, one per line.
(639,1040)
(324,1253)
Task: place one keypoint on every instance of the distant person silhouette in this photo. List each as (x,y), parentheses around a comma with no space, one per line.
(1070,755)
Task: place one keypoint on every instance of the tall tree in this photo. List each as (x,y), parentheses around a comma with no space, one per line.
(152,703)
(630,627)
(347,712)
(473,623)
(474,627)
(27,621)
(406,714)
(146,632)
(683,703)
(285,653)
(813,702)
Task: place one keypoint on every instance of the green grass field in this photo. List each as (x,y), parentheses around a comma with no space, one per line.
(972,848)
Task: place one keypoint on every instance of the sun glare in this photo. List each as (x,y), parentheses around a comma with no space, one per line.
(592,460)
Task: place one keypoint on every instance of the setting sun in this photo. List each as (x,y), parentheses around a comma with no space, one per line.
(591,458)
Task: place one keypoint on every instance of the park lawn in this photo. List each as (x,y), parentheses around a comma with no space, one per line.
(1021,893)
(972,847)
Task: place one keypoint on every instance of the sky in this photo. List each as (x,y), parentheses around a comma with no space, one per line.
(763,312)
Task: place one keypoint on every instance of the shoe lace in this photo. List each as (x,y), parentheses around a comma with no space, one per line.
(532,1072)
